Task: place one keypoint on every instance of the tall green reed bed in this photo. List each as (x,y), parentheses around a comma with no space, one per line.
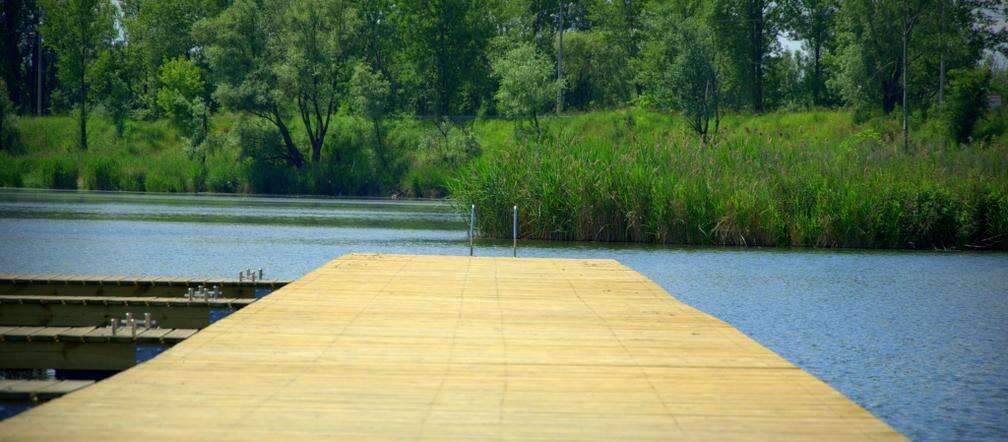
(810,179)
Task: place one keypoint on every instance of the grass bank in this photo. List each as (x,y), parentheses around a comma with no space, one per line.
(414,159)
(782,179)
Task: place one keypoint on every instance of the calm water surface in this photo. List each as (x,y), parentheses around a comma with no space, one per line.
(918,338)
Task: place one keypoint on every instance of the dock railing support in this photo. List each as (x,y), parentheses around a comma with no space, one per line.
(472,221)
(514,232)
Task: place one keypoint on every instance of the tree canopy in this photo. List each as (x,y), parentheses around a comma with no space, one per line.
(292,63)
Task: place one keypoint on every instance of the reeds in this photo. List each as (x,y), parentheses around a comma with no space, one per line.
(808,179)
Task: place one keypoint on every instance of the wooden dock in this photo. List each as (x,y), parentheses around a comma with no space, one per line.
(384,346)
(132,286)
(36,391)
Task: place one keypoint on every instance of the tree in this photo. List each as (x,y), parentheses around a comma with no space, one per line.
(870,47)
(77,31)
(369,94)
(315,35)
(622,24)
(382,43)
(527,84)
(272,58)
(447,41)
(112,77)
(746,31)
(158,31)
(967,101)
(690,82)
(180,99)
(594,71)
(8,122)
(814,22)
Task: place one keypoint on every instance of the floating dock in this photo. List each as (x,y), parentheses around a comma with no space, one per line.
(388,346)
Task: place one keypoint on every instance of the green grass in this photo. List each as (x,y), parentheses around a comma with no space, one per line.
(151,156)
(781,179)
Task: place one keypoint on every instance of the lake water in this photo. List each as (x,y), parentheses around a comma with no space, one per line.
(918,338)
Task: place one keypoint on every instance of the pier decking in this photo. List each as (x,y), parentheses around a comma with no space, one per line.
(387,346)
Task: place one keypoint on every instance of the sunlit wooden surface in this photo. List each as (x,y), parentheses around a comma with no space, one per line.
(391,346)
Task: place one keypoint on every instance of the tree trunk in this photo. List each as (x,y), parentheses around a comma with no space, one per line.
(316,150)
(817,73)
(11,53)
(82,96)
(756,52)
(906,110)
(294,156)
(378,140)
(941,58)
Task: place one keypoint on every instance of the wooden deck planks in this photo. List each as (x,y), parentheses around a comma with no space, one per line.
(388,346)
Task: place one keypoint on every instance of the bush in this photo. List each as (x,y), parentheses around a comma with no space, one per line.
(11,170)
(8,121)
(101,173)
(967,101)
(222,175)
(57,172)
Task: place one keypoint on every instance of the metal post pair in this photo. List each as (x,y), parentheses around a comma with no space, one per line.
(514,229)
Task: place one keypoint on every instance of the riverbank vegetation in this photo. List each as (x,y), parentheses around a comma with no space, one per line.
(736,122)
(781,179)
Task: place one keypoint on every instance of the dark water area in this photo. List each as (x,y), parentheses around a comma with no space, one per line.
(918,338)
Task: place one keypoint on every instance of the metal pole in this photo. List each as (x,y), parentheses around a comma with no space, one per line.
(514,233)
(472,220)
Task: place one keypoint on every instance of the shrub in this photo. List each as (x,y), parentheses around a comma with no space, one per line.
(101,173)
(8,121)
(56,172)
(967,101)
(11,170)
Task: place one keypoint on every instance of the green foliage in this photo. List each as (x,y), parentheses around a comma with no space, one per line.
(111,86)
(56,172)
(369,93)
(693,79)
(77,31)
(445,44)
(813,21)
(101,173)
(8,120)
(594,71)
(179,99)
(527,83)
(808,179)
(436,160)
(274,57)
(745,32)
(179,78)
(966,101)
